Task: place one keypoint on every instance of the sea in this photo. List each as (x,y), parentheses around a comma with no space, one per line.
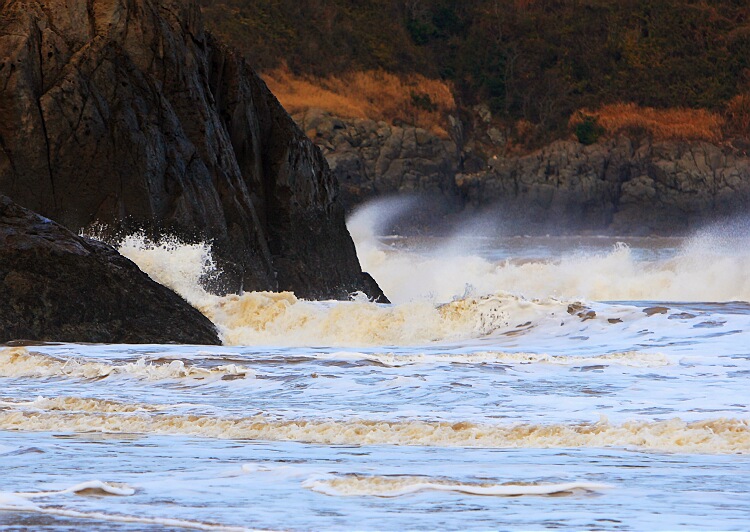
(576,382)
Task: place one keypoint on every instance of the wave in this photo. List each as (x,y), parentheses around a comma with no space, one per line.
(282,319)
(396,486)
(19,502)
(710,266)
(448,294)
(637,359)
(674,435)
(91,487)
(19,362)
(79,404)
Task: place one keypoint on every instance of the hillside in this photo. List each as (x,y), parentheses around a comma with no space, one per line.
(535,64)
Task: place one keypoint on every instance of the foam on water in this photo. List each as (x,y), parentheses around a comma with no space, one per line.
(396,486)
(674,435)
(710,266)
(636,359)
(447,294)
(19,362)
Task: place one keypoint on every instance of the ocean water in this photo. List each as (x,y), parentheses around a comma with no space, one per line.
(519,383)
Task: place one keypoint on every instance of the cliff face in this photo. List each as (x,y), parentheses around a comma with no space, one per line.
(619,186)
(372,158)
(126,112)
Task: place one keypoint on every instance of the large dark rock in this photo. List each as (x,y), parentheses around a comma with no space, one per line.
(125,112)
(57,286)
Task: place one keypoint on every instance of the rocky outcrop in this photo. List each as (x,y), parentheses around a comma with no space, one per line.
(56,286)
(619,186)
(373,158)
(127,113)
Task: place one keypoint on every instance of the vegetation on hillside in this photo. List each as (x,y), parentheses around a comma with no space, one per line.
(660,124)
(534,62)
(373,94)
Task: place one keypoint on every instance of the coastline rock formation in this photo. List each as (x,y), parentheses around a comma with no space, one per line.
(127,113)
(56,286)
(619,186)
(373,158)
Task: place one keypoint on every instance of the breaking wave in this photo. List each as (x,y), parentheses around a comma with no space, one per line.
(710,266)
(713,436)
(19,362)
(448,294)
(396,486)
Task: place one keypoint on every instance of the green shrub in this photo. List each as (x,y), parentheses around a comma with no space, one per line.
(588,130)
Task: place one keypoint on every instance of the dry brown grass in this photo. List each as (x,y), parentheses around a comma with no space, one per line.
(660,124)
(374,94)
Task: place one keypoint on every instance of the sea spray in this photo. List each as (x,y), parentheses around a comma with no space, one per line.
(443,294)
(710,266)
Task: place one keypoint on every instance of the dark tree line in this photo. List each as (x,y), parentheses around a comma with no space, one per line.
(536,61)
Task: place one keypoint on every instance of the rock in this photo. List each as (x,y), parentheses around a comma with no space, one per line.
(616,186)
(373,159)
(620,186)
(650,311)
(56,286)
(127,113)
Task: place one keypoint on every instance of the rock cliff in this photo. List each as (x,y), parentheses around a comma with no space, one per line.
(619,186)
(127,113)
(372,158)
(57,286)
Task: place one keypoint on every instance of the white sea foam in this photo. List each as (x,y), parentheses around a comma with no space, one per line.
(19,362)
(396,486)
(674,435)
(711,266)
(175,264)
(636,359)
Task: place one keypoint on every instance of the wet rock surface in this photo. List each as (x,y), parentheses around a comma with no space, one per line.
(56,286)
(127,113)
